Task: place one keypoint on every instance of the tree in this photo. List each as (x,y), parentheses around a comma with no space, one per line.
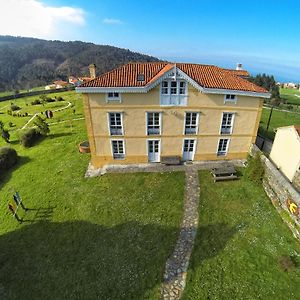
(42,126)
(268,82)
(4,132)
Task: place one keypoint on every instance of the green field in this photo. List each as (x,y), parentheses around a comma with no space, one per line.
(290,96)
(25,104)
(98,238)
(9,93)
(240,240)
(278,119)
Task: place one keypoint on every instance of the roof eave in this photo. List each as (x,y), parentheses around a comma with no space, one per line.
(236,92)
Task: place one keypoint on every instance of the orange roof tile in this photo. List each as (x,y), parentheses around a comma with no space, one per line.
(207,76)
(297,127)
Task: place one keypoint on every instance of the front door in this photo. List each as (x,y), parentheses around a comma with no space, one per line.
(188,150)
(153,150)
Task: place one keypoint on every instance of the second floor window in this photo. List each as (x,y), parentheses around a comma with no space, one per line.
(115,124)
(230,98)
(153,123)
(227,123)
(191,123)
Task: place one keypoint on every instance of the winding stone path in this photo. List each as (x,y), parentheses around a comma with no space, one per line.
(177,264)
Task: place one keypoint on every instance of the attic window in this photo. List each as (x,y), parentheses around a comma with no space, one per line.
(113,96)
(230,98)
(141,77)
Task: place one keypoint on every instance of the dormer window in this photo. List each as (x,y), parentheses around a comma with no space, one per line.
(113,96)
(173,92)
(230,98)
(173,87)
(141,77)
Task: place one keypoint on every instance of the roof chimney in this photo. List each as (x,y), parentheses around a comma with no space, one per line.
(239,67)
(92,68)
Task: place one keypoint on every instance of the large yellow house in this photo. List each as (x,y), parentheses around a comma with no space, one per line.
(141,112)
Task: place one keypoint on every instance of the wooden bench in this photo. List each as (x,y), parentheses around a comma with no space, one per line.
(224,173)
(170,160)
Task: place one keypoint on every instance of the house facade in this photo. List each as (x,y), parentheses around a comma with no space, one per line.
(141,112)
(285,152)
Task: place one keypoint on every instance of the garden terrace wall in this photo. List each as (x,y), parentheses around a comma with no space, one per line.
(279,189)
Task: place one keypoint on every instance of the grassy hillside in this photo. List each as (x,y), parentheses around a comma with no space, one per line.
(28,62)
(290,96)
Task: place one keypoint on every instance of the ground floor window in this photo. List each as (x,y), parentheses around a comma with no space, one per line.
(118,150)
(223,147)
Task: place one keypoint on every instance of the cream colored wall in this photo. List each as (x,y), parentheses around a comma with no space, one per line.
(134,108)
(285,151)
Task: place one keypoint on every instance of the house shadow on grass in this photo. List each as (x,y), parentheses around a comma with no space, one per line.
(81,260)
(210,241)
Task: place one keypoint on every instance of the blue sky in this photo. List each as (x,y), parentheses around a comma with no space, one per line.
(263,35)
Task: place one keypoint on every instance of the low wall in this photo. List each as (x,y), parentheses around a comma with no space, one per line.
(280,190)
(35,93)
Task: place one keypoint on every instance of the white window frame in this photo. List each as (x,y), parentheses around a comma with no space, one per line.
(232,122)
(160,122)
(112,150)
(178,81)
(197,122)
(114,98)
(223,153)
(109,125)
(228,98)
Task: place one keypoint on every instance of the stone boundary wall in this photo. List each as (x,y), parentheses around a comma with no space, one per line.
(35,93)
(279,189)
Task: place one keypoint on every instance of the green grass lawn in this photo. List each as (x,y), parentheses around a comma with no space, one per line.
(239,242)
(288,95)
(278,119)
(98,238)
(25,105)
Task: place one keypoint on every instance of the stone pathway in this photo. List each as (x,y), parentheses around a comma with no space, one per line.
(177,264)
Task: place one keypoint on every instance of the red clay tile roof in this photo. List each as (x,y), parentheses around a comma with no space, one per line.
(242,73)
(297,127)
(207,76)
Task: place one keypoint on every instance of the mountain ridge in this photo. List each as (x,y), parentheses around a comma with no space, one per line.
(29,62)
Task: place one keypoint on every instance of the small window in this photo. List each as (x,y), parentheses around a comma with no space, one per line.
(173,87)
(113,96)
(141,77)
(182,88)
(223,147)
(165,88)
(230,98)
(118,149)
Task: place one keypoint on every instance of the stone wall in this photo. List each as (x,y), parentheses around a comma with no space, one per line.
(296,180)
(279,189)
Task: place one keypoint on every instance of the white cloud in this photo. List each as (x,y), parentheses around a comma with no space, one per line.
(112,21)
(32,18)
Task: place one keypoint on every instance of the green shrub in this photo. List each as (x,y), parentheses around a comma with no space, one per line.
(29,137)
(60,98)
(8,158)
(9,112)
(42,126)
(14,107)
(255,169)
(48,99)
(36,102)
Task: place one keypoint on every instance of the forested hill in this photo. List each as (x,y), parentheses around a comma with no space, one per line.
(29,62)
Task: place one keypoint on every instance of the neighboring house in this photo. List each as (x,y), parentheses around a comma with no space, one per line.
(60,84)
(143,111)
(50,87)
(290,85)
(285,152)
(73,80)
